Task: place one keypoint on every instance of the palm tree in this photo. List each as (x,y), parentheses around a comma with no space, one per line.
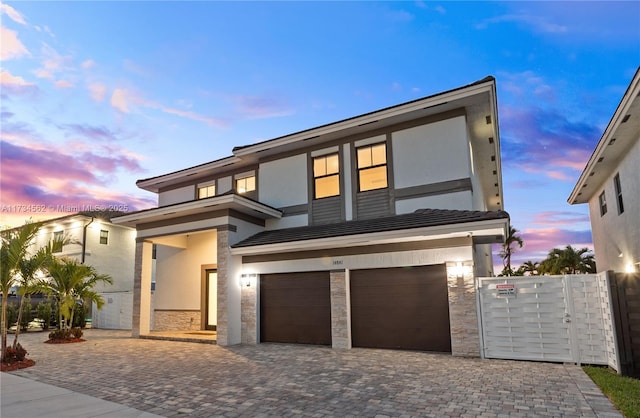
(15,244)
(28,268)
(530,267)
(72,282)
(569,261)
(508,248)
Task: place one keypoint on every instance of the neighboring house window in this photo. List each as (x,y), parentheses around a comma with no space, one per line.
(206,191)
(326,176)
(603,204)
(372,167)
(246,184)
(618,190)
(57,242)
(104,237)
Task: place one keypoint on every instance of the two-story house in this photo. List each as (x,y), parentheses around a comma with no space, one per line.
(364,232)
(610,184)
(94,240)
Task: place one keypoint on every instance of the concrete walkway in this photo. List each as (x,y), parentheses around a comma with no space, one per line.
(170,378)
(24,398)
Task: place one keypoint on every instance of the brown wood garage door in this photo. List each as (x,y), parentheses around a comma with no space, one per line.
(295,308)
(404,308)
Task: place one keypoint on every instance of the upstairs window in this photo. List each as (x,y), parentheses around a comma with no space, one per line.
(618,190)
(56,246)
(372,167)
(603,204)
(246,184)
(206,191)
(326,176)
(104,237)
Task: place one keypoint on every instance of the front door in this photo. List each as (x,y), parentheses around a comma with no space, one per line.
(211,299)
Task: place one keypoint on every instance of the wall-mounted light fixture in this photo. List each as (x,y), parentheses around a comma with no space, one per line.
(247,278)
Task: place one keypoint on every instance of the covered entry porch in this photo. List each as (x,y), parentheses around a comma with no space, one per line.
(184,249)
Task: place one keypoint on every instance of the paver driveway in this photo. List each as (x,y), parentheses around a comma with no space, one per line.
(175,378)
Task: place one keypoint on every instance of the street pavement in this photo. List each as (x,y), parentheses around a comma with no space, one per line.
(167,378)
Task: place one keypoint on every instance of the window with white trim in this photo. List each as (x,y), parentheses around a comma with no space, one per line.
(372,167)
(326,176)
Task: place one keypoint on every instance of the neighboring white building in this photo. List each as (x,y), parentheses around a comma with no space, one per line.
(364,232)
(610,183)
(108,247)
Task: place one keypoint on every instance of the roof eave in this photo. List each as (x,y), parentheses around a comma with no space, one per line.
(467,229)
(630,95)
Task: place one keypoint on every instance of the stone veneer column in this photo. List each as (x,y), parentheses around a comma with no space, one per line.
(463,314)
(340,309)
(141,320)
(222,328)
(249,312)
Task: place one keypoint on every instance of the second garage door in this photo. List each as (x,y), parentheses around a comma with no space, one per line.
(406,308)
(295,308)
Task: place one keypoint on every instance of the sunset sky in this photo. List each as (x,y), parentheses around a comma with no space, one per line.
(96,95)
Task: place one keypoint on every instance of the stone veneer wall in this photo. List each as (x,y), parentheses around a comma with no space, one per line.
(176,320)
(340,310)
(463,313)
(249,313)
(223,284)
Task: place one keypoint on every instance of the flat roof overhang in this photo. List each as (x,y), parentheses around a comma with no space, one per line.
(489,231)
(229,201)
(622,132)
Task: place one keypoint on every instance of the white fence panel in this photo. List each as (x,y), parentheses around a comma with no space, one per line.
(116,313)
(548,318)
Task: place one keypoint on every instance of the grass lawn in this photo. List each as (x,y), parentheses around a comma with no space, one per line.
(624,392)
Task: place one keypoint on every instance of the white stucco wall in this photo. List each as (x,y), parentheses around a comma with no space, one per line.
(183,194)
(431,153)
(116,258)
(457,201)
(284,182)
(365,261)
(612,233)
(178,271)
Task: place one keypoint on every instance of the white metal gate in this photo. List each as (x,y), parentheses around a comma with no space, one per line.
(548,318)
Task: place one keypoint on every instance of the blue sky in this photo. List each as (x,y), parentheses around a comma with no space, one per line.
(96,95)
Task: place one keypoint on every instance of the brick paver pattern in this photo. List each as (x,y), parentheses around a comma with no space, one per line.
(201,380)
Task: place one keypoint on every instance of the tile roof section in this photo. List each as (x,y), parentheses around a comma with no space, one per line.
(421,218)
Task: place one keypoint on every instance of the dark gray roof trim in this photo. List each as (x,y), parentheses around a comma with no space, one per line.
(419,219)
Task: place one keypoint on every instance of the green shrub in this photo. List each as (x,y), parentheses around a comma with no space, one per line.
(12,355)
(45,311)
(80,316)
(60,334)
(26,314)
(12,314)
(76,332)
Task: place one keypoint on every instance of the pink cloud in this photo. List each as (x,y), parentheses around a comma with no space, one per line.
(16,84)
(559,218)
(87,64)
(60,179)
(12,13)
(120,100)
(11,46)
